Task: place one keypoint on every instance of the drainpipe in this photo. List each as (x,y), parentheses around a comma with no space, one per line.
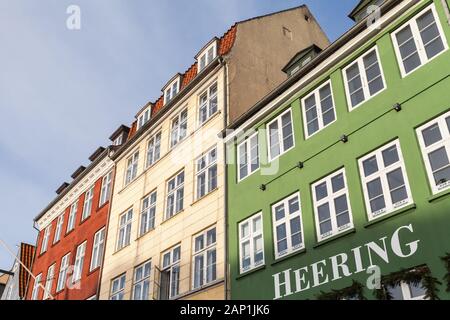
(100,276)
(446,5)
(225,124)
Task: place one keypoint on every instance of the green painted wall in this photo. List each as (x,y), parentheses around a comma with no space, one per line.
(424,94)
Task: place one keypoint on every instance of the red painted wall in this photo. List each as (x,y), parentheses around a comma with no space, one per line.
(83,231)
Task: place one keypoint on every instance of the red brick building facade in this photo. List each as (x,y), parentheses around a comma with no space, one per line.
(72,235)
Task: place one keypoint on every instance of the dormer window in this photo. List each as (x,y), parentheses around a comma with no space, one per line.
(207,55)
(118,141)
(144,117)
(172,90)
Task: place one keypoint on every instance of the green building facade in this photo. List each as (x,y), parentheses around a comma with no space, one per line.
(339,180)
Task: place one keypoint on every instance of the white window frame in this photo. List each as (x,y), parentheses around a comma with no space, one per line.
(252,235)
(286,221)
(59,227)
(412,23)
(143,118)
(170,267)
(172,90)
(203,252)
(331,196)
(443,143)
(406,292)
(280,135)
(132,167)
(87,204)
(105,192)
(208,103)
(318,104)
(121,289)
(153,149)
(46,239)
(49,281)
(177,128)
(174,193)
(72,216)
(363,76)
(247,145)
(79,262)
(149,212)
(210,163)
(382,174)
(36,287)
(62,275)
(124,241)
(143,280)
(97,249)
(118,140)
(206,55)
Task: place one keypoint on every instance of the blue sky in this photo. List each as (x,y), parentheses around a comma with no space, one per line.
(62,92)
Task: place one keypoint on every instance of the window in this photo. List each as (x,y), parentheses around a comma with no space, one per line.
(143,118)
(49,281)
(206,174)
(251,243)
(204,259)
(36,287)
(132,166)
(318,109)
(208,104)
(175,195)
(125,229)
(154,149)
(287,226)
(45,239)
(118,141)
(331,205)
(248,156)
(97,249)
(59,225)
(106,188)
(170,274)
(148,213)
(208,56)
(87,207)
(363,79)
(141,281)
(419,41)
(62,277)
(79,262)
(72,216)
(118,288)
(434,140)
(171,91)
(280,135)
(384,180)
(178,129)
(405,291)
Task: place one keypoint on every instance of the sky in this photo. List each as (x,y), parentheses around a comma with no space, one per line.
(63,92)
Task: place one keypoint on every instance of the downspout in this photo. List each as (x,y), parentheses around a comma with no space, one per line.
(32,261)
(225,124)
(446,5)
(100,276)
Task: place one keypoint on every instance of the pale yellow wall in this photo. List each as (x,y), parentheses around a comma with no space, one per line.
(197,215)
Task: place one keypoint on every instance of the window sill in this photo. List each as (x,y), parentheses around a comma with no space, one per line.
(335,237)
(390,215)
(172,217)
(84,221)
(200,289)
(121,249)
(68,233)
(145,234)
(439,195)
(102,205)
(93,271)
(205,196)
(287,257)
(242,275)
(201,125)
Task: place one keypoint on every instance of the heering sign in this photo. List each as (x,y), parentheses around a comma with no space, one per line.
(314,275)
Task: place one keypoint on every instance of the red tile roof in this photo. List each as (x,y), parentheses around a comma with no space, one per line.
(26,256)
(225,45)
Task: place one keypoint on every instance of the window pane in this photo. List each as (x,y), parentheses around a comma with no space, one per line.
(417,290)
(293,205)
(440,165)
(430,34)
(432,135)
(245,230)
(395,292)
(324,212)
(338,183)
(211,266)
(279,212)
(370,166)
(376,195)
(340,204)
(257,224)
(274,140)
(296,236)
(390,156)
(288,139)
(321,191)
(373,73)
(408,49)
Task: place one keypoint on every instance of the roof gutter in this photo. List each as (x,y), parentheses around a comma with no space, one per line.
(250,115)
